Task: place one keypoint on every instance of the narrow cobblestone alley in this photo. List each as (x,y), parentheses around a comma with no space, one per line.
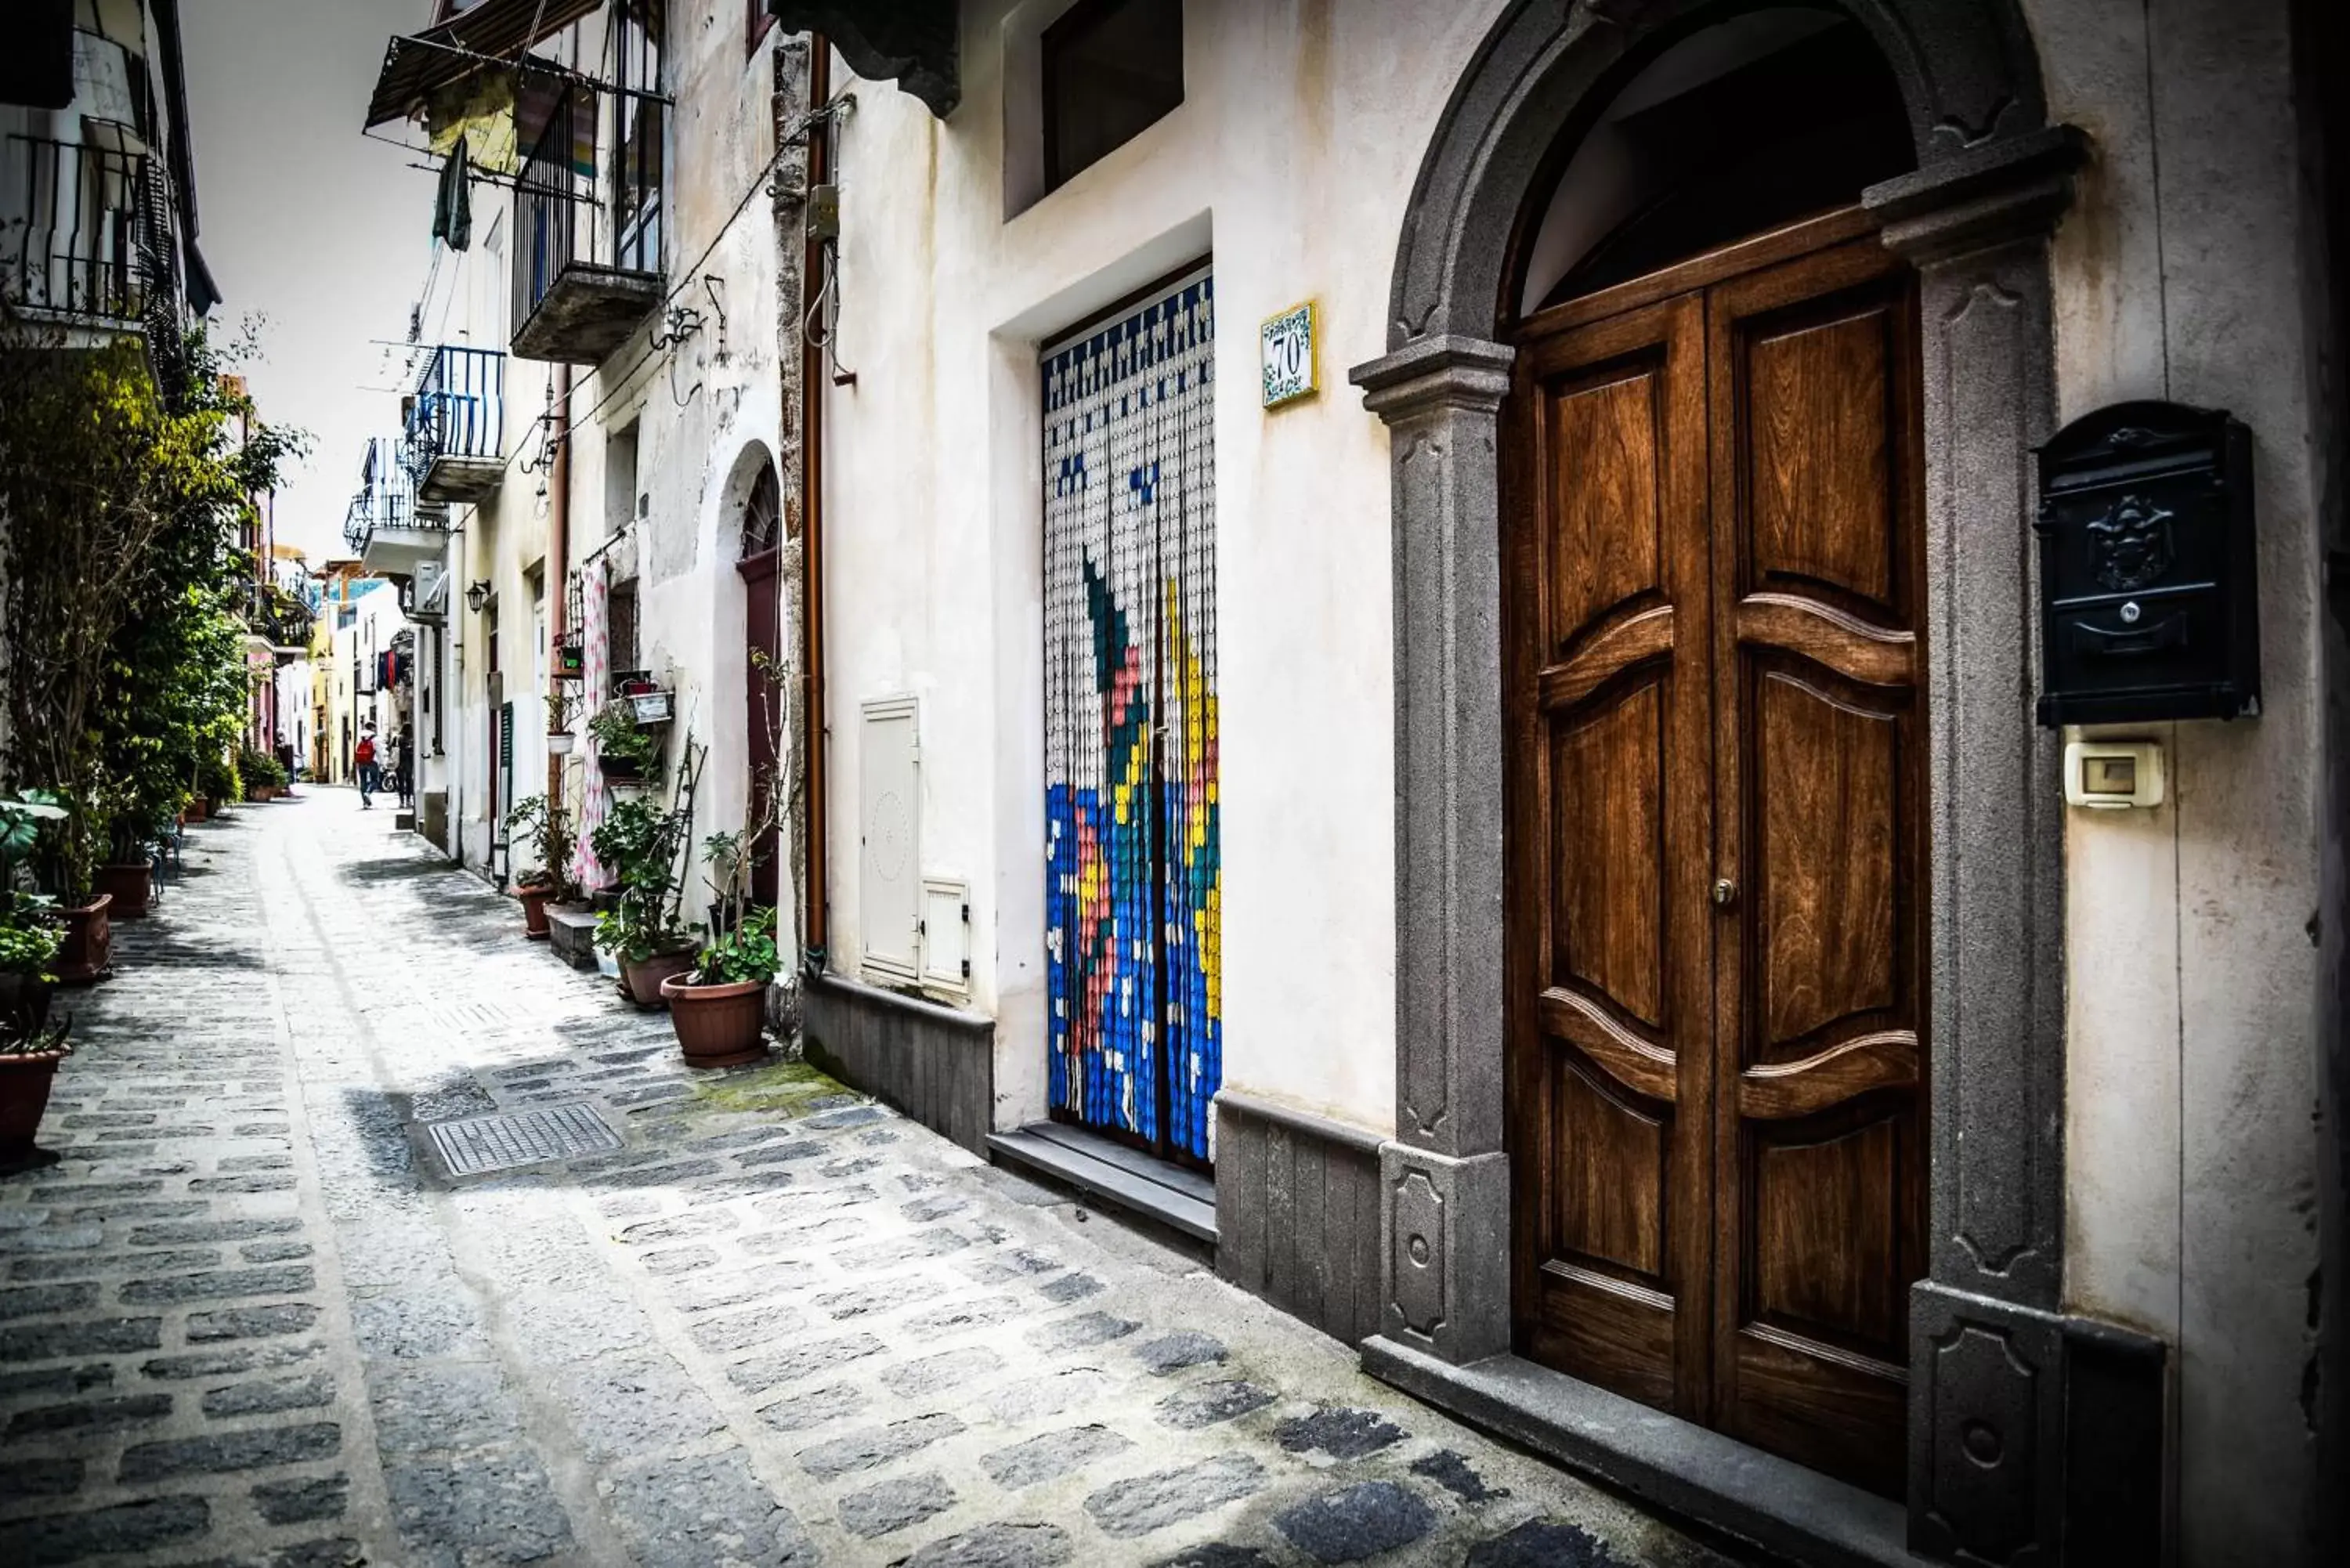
(250,1319)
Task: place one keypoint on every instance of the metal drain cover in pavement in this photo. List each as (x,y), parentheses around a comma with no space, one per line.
(477,1144)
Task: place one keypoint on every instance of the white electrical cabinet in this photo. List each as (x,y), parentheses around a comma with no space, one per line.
(889,800)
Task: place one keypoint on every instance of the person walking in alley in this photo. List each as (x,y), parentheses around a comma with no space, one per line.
(370,775)
(403,769)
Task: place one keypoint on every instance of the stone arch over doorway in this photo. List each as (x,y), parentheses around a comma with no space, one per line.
(1990,1346)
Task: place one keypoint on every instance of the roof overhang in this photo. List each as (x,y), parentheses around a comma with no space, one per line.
(912,42)
(493,34)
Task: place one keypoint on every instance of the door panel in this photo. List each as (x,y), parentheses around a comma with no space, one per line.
(1819,957)
(1609,1024)
(1716,883)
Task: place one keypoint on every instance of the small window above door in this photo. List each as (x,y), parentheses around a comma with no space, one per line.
(1111,69)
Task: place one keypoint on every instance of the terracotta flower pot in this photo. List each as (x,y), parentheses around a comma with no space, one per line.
(24,1096)
(534,900)
(642,978)
(89,950)
(129,886)
(717,1025)
(24,1001)
(198,809)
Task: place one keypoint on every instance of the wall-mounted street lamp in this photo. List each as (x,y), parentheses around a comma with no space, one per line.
(476,597)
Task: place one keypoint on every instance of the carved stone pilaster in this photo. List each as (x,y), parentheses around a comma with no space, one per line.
(1445,1277)
(1440,398)
(1986,1429)
(1978,227)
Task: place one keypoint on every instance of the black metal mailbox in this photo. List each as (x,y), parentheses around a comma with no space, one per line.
(2149,603)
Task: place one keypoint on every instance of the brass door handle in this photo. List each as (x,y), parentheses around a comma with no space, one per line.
(1725,893)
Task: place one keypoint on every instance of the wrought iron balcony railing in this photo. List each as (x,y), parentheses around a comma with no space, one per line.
(386,497)
(85,233)
(456,424)
(588,256)
(458,408)
(279,617)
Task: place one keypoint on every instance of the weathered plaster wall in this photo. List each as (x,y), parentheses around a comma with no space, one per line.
(1291,160)
(706,410)
(2190,965)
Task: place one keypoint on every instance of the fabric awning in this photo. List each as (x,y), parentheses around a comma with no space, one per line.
(416,68)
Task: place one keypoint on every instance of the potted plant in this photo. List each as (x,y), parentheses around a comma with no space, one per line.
(264,775)
(219,781)
(625,753)
(549,882)
(128,876)
(637,842)
(719,1008)
(28,1066)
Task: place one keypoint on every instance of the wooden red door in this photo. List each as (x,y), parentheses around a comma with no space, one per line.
(1717,876)
(763,708)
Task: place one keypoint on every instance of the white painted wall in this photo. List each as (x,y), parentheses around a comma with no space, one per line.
(2190,966)
(1291,159)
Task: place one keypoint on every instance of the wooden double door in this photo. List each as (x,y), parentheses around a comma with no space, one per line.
(1717,878)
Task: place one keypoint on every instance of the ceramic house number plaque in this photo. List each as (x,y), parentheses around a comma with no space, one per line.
(1286,342)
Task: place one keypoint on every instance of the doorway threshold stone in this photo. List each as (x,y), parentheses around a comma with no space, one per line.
(1675,1465)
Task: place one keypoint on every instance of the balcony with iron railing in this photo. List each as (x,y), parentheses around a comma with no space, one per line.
(85,233)
(279,618)
(387,527)
(456,425)
(588,259)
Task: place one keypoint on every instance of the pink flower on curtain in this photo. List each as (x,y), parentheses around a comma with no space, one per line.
(595,633)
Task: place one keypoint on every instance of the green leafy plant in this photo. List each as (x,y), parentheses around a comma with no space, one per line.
(218,779)
(122,627)
(637,844)
(18,1041)
(745,952)
(30,934)
(549,826)
(260,768)
(621,745)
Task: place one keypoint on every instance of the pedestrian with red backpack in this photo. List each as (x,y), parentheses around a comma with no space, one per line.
(371,773)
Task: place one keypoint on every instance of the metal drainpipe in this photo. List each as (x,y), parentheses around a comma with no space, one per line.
(558,550)
(812,380)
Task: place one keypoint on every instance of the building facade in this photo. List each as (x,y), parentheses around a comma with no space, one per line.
(598,436)
(1568,790)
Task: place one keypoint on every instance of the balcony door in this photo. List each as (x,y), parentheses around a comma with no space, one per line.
(1717,883)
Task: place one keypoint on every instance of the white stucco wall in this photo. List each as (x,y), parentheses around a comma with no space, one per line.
(1289,161)
(2190,966)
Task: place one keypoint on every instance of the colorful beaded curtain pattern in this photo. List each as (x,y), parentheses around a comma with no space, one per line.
(1133,895)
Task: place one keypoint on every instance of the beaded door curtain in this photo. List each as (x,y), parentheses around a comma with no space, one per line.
(1133,884)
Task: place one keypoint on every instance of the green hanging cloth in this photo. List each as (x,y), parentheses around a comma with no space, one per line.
(452,207)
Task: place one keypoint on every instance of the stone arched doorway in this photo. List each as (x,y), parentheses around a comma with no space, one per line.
(1988,1346)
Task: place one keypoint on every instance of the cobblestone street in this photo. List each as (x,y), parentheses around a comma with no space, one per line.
(252,1319)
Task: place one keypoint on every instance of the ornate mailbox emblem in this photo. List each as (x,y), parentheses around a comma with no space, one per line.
(2129,546)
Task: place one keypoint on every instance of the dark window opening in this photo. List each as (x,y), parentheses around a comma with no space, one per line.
(1801,130)
(1112,67)
(761,515)
(620,629)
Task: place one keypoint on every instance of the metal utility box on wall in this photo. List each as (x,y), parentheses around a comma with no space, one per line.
(2149,600)
(888,799)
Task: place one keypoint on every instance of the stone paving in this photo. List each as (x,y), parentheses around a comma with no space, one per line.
(250,1319)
